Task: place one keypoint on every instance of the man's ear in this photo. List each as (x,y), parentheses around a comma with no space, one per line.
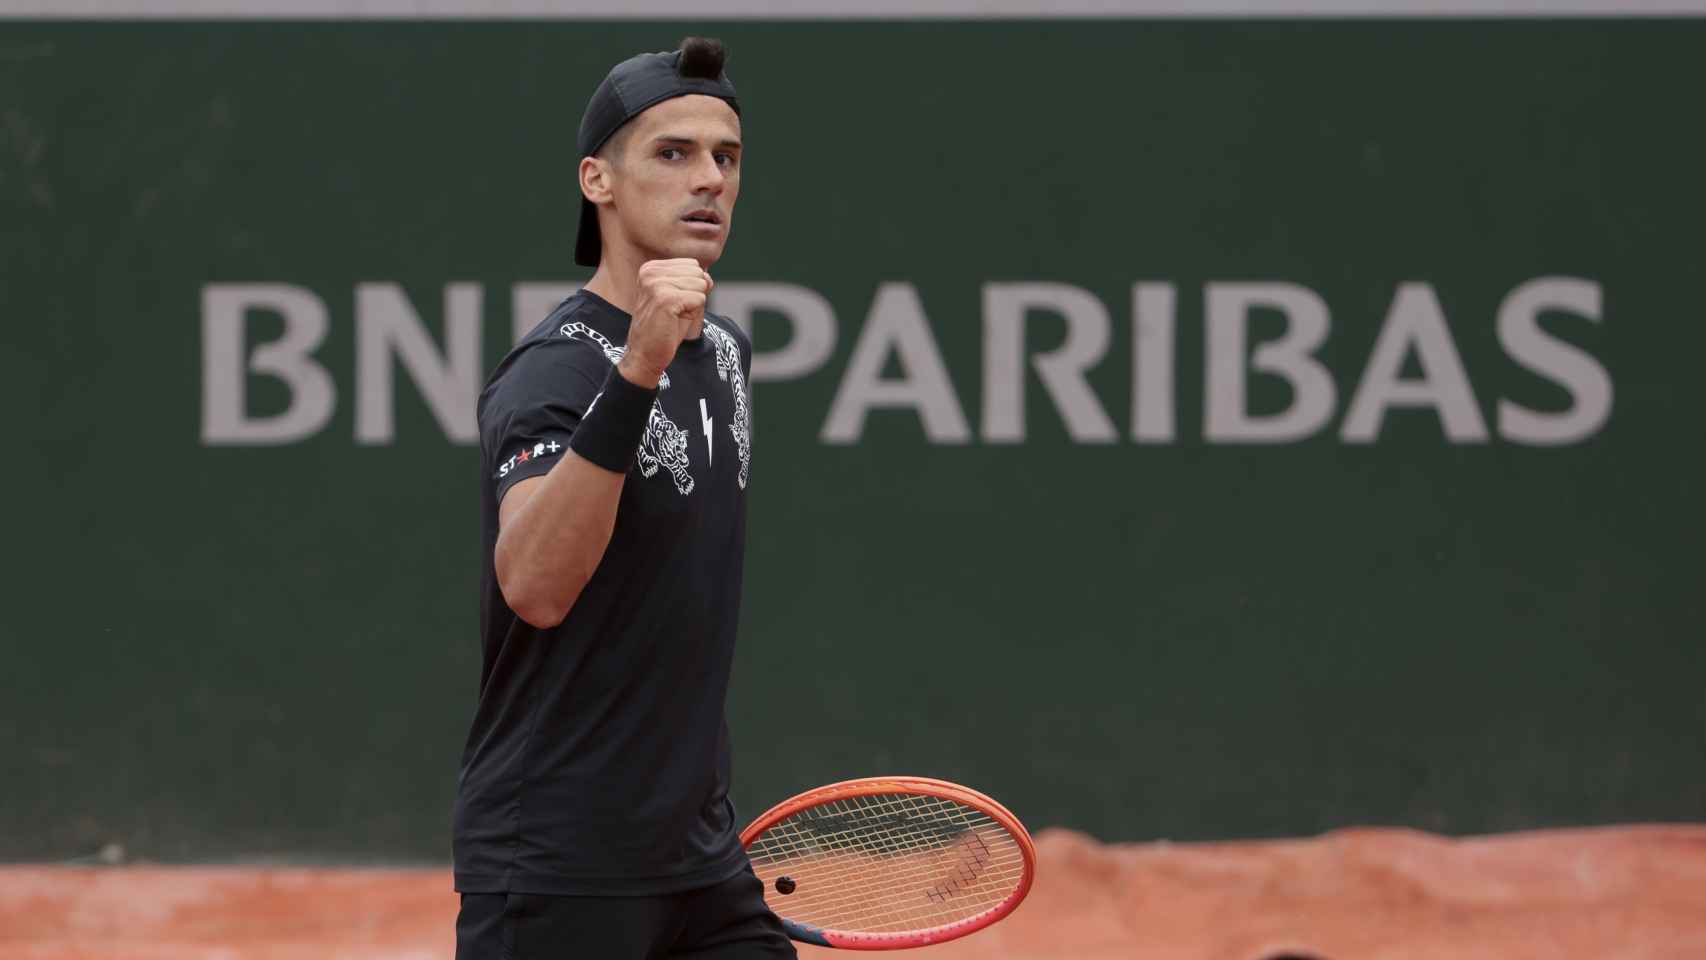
(595,179)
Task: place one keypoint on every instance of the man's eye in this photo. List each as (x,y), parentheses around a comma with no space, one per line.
(726,159)
(670,153)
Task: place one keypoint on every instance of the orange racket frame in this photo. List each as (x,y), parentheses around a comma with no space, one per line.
(918,786)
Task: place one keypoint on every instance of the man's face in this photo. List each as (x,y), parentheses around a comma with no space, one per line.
(674,178)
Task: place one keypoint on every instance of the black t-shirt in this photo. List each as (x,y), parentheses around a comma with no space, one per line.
(598,758)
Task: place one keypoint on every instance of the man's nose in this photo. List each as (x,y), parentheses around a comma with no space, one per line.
(708,177)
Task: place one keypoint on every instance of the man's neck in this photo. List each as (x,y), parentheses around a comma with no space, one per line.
(616,281)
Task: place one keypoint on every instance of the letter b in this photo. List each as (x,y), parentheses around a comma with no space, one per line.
(225,369)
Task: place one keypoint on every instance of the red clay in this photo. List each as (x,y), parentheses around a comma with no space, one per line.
(1624,893)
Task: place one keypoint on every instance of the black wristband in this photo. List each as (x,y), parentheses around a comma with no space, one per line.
(609,434)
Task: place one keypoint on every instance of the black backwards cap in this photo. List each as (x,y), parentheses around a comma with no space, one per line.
(633,86)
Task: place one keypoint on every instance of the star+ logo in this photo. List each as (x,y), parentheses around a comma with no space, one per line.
(528,453)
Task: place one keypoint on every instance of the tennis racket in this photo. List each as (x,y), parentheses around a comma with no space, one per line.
(885,863)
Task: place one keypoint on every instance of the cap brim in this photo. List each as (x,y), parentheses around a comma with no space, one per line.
(588,244)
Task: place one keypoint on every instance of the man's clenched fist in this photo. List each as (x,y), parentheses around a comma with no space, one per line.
(670,308)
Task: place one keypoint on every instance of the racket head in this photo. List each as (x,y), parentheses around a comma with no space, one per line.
(887,863)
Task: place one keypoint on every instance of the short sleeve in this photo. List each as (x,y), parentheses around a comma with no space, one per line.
(533,406)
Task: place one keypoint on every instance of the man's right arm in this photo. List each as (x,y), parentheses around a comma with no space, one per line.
(552,532)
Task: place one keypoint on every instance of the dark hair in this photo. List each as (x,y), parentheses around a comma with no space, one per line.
(702,58)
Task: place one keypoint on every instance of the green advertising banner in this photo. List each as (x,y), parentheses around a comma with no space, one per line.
(1176,429)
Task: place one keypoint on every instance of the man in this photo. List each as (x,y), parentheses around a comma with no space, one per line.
(592,816)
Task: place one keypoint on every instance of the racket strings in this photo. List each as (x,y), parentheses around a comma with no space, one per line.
(867,902)
(889,863)
(883,893)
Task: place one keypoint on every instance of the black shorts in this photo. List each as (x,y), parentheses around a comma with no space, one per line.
(728,921)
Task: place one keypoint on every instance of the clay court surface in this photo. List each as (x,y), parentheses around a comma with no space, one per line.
(1607,894)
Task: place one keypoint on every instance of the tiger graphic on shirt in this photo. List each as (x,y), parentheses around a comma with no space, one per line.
(728,368)
(664,444)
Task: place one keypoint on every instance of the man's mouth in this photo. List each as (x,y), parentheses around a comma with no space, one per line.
(704,216)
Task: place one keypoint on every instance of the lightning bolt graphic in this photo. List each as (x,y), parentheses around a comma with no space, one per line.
(705,419)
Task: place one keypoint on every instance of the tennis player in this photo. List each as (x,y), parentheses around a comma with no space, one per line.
(592,815)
